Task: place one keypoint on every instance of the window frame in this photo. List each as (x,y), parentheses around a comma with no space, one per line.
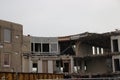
(53,51)
(43,46)
(6,65)
(10,35)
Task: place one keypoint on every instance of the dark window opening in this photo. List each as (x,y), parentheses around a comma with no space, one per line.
(59,63)
(37,47)
(66,67)
(117,64)
(115,45)
(35,67)
(67,48)
(45,47)
(31,46)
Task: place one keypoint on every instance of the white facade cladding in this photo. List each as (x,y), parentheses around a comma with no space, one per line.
(44,45)
(30,66)
(40,66)
(115,43)
(115,48)
(50,66)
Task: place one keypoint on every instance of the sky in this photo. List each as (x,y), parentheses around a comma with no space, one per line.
(51,18)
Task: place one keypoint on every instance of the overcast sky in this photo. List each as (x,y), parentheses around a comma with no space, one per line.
(62,17)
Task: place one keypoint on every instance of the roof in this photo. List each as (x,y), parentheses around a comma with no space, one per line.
(94,39)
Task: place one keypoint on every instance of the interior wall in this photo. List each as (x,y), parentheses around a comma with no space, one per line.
(97,66)
(83,50)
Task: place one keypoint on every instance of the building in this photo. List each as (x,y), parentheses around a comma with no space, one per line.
(81,54)
(115,49)
(11,39)
(85,54)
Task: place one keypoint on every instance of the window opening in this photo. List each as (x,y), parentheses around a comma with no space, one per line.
(7,35)
(37,47)
(45,47)
(53,47)
(93,50)
(35,67)
(31,46)
(98,50)
(117,64)
(102,51)
(66,67)
(115,45)
(6,60)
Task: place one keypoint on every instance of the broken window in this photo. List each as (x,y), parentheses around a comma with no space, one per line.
(34,67)
(67,48)
(37,47)
(115,45)
(45,47)
(117,64)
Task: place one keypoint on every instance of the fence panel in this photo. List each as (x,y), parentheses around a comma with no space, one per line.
(29,76)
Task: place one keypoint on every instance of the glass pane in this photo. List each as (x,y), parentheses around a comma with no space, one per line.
(7,35)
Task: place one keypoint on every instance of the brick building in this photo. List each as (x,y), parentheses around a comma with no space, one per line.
(11,39)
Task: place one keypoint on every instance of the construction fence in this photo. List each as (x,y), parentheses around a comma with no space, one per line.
(29,76)
(107,78)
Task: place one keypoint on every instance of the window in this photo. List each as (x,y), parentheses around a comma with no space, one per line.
(32,47)
(66,67)
(93,50)
(45,47)
(53,47)
(7,35)
(115,45)
(117,64)
(37,47)
(6,60)
(102,50)
(34,67)
(98,51)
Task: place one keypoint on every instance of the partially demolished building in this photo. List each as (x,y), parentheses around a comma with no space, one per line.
(86,54)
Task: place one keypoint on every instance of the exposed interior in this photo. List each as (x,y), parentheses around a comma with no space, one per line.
(67,48)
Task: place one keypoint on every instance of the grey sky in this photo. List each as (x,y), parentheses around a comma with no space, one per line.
(62,17)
